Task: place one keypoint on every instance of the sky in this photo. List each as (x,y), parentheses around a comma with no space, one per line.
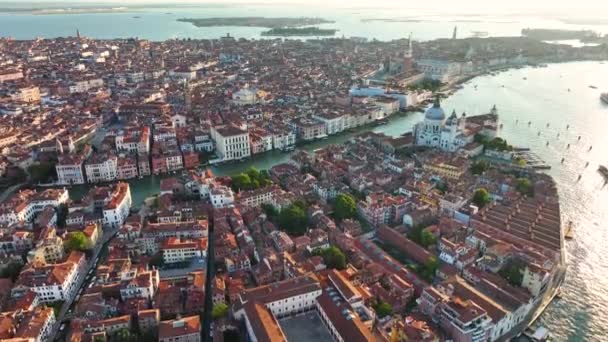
(577,7)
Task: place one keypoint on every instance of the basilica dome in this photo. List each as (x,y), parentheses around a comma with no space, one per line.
(435,112)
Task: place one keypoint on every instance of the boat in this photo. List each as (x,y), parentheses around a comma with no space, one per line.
(603,170)
(569,232)
(592,87)
(604,97)
(558,293)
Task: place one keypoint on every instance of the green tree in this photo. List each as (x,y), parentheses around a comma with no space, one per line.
(345,207)
(479,167)
(251,179)
(241,182)
(11,270)
(430,267)
(270,211)
(427,238)
(123,335)
(524,186)
(77,241)
(382,308)
(293,219)
(512,272)
(220,310)
(481,197)
(41,172)
(333,257)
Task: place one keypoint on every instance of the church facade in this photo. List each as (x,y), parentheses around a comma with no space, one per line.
(448,134)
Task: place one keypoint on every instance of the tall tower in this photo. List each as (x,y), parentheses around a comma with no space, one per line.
(408,58)
(78,34)
(455,31)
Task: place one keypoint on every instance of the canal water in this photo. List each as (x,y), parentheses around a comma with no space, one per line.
(553,105)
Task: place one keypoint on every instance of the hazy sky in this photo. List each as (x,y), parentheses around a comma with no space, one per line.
(597,7)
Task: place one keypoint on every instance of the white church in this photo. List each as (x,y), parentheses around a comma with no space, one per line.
(449,134)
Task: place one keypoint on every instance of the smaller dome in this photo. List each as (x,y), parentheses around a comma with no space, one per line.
(435,112)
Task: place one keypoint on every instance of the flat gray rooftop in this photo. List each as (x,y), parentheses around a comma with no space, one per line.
(304,328)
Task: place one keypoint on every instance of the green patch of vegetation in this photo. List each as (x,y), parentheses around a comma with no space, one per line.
(427,84)
(345,207)
(42,172)
(382,308)
(78,241)
(56,306)
(421,236)
(333,257)
(250,180)
(11,270)
(219,311)
(429,269)
(479,167)
(513,272)
(293,219)
(481,197)
(525,187)
(497,144)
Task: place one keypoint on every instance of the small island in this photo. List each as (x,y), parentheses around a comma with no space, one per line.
(557,34)
(256,22)
(299,31)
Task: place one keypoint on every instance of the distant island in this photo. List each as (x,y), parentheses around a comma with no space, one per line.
(256,22)
(299,31)
(556,34)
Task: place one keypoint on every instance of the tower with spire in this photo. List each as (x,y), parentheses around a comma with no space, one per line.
(455,32)
(78,34)
(408,58)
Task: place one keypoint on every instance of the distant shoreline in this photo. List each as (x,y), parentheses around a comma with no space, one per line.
(271,23)
(67,11)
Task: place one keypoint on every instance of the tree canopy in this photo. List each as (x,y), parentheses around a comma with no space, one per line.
(219,310)
(333,257)
(525,187)
(293,219)
(11,270)
(42,172)
(428,272)
(78,241)
(345,207)
(512,272)
(481,197)
(382,308)
(479,167)
(251,179)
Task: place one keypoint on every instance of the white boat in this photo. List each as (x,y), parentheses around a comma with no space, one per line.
(604,97)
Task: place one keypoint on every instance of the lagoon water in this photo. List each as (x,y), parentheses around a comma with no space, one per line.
(582,313)
(157,23)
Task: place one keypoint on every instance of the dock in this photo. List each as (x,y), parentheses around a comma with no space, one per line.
(532,159)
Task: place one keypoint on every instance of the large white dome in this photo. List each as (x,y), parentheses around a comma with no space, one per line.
(435,112)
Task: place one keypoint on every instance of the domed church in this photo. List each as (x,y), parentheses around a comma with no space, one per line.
(436,131)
